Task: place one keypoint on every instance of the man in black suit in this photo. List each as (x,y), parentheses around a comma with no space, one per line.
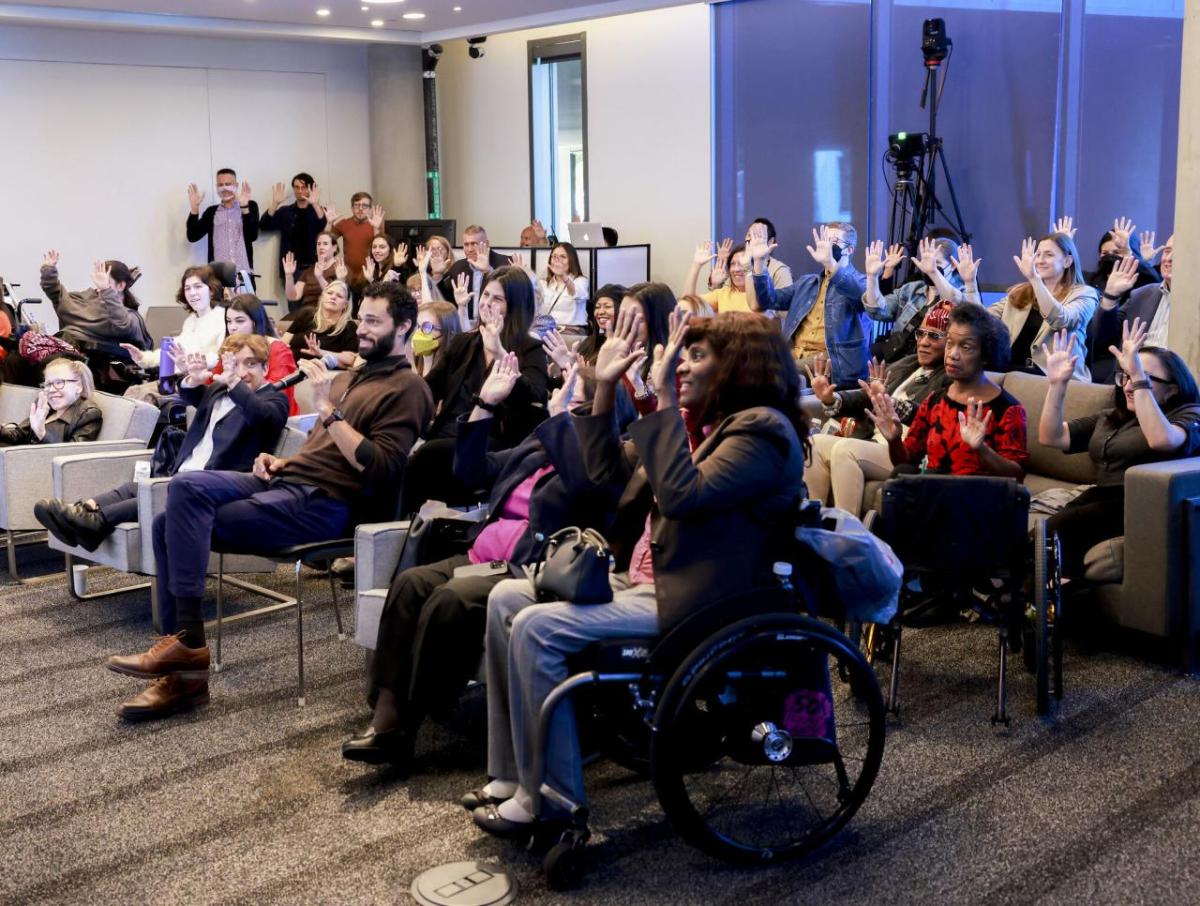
(238,416)
(477,263)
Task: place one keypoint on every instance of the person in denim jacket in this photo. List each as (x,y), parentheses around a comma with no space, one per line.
(837,327)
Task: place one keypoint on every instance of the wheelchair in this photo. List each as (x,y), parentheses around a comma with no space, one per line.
(966,541)
(762,734)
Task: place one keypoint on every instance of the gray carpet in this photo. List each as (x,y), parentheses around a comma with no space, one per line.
(249,801)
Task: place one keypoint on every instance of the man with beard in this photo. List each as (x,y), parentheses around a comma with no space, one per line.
(368,418)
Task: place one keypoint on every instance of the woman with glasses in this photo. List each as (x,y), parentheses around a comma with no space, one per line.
(61,413)
(434,261)
(1155,416)
(437,325)
(565,290)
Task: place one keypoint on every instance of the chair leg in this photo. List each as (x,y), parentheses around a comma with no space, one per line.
(220,610)
(10,542)
(299,634)
(337,609)
(893,702)
(1001,715)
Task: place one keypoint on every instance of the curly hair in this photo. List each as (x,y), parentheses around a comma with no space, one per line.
(754,368)
(995,343)
(206,274)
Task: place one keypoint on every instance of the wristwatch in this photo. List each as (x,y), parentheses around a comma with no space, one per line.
(334,416)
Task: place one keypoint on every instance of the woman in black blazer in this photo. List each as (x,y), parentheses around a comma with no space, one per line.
(710,495)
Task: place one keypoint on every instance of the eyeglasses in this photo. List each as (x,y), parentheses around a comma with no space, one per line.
(58,383)
(361,204)
(1122,379)
(922,333)
(428,327)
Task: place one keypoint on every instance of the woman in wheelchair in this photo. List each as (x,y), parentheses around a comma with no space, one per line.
(707,496)
(61,412)
(1155,416)
(431,630)
(970,427)
(105,315)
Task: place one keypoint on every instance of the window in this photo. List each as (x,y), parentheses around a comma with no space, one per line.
(558,131)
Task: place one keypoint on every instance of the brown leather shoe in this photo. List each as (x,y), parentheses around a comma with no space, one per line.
(165,696)
(167,656)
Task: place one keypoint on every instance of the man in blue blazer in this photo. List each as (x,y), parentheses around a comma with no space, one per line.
(238,416)
(824,312)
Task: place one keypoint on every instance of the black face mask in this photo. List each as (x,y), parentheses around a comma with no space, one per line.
(1106,264)
(836,251)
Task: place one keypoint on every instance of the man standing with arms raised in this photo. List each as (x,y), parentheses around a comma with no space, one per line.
(231,226)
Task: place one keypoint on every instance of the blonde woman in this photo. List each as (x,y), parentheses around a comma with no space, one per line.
(307,288)
(326,330)
(61,413)
(434,261)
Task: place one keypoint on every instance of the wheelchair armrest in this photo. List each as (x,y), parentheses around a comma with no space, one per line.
(85,475)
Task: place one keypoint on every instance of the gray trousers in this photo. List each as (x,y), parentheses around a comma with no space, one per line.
(527,646)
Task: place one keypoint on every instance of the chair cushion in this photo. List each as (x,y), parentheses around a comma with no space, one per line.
(122,550)
(1105,562)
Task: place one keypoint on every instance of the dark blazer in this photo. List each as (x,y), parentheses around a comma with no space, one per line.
(856,403)
(1105,329)
(459,374)
(252,427)
(463,266)
(721,512)
(79,422)
(201,225)
(287,219)
(565,497)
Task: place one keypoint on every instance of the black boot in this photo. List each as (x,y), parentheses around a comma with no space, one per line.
(87,524)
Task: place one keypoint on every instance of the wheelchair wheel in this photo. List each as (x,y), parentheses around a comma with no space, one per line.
(758,754)
(1047,618)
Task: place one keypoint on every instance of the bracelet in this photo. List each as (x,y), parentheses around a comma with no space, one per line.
(1139,385)
(834,408)
(486,407)
(1110,297)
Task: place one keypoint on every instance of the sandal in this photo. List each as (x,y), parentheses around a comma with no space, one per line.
(477,799)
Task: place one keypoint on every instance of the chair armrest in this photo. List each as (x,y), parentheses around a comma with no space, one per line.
(1155,582)
(152,500)
(26,476)
(85,475)
(377,548)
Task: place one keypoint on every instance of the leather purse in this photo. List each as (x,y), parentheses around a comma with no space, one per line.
(573,567)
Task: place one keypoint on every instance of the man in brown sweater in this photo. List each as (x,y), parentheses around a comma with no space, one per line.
(367,421)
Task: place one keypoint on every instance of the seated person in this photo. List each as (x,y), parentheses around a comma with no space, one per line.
(534,236)
(1116,246)
(245,314)
(697,501)
(325,331)
(1155,416)
(654,303)
(203,331)
(844,462)
(1121,303)
(348,469)
(105,314)
(941,277)
(431,630)
(306,289)
(238,416)
(437,325)
(696,306)
(836,327)
(730,294)
(61,413)
(780,273)
(564,289)
(602,314)
(970,426)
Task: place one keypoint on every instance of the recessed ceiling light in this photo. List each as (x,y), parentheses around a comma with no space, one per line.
(322,12)
(378,23)
(365,8)
(413,16)
(458,9)
(381,2)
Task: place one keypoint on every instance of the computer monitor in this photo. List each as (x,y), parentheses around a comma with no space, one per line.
(419,232)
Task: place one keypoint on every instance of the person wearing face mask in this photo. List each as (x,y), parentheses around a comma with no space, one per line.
(941,278)
(238,416)
(303,291)
(1155,416)
(325,331)
(564,289)
(62,412)
(1122,303)
(824,312)
(728,275)
(1115,246)
(437,325)
(231,226)
(842,463)
(298,223)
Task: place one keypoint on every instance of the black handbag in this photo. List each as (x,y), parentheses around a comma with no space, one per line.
(573,567)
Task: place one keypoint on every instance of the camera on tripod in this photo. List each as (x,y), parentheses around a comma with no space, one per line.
(905,150)
(935,46)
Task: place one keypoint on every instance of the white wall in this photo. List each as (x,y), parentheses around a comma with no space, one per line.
(102,132)
(649,137)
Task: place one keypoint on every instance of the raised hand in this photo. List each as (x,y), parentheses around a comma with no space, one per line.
(1064,225)
(703,254)
(423,257)
(340,270)
(557,351)
(561,399)
(759,247)
(882,413)
(462,287)
(539,231)
(1133,335)
(877,375)
(926,260)
(1122,277)
(666,358)
(289,265)
(50,259)
(966,264)
(39,410)
(490,325)
(331,213)
(820,378)
(227,376)
(724,250)
(377,217)
(483,257)
(244,194)
(1060,358)
(622,348)
(822,249)
(175,350)
(516,259)
(1146,246)
(101,276)
(974,423)
(401,254)
(278,194)
(195,197)
(312,347)
(314,197)
(501,379)
(895,255)
(1025,260)
(368,275)
(718,272)
(873,263)
(1122,229)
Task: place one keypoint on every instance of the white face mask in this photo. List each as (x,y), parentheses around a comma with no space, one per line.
(226,190)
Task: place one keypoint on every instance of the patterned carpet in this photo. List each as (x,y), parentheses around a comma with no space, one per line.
(249,801)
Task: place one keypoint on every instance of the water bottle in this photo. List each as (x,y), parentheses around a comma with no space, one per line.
(166,367)
(783,574)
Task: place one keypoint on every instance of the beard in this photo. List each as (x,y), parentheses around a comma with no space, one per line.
(380,348)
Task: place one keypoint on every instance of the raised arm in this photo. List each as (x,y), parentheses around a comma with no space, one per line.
(1161,435)
(1060,368)
(703,255)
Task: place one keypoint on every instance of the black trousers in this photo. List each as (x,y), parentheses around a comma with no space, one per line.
(1094,516)
(119,505)
(430,637)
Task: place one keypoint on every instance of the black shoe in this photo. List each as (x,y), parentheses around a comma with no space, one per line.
(478,799)
(392,747)
(87,525)
(49,513)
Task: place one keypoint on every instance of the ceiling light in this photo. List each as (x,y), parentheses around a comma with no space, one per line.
(366,9)
(381,2)
(413,16)
(458,9)
(378,23)
(322,12)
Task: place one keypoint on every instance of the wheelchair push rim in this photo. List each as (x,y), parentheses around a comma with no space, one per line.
(767,739)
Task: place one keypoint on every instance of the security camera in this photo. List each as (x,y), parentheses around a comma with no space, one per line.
(475,50)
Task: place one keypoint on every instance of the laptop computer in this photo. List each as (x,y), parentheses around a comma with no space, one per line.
(587,235)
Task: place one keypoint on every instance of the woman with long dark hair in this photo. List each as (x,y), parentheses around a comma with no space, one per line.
(718,488)
(106,314)
(564,288)
(246,314)
(1155,416)
(602,315)
(655,302)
